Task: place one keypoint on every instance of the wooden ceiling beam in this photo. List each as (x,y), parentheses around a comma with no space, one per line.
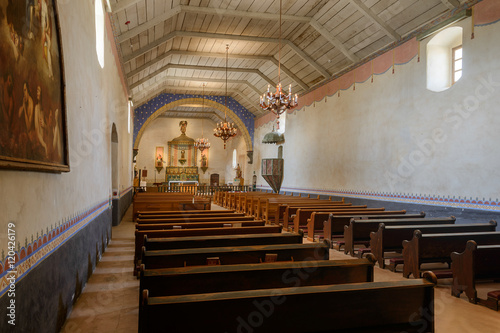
(204,79)
(226,37)
(334,41)
(201,68)
(369,14)
(219,55)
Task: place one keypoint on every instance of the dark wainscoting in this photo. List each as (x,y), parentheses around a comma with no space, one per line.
(45,296)
(120,206)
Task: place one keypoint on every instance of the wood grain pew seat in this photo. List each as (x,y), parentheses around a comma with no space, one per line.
(196,225)
(476,263)
(334,226)
(188,214)
(224,278)
(233,255)
(433,248)
(358,231)
(195,219)
(302,215)
(390,237)
(220,241)
(360,307)
(139,235)
(268,209)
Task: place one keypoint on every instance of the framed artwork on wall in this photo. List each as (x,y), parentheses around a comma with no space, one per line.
(33,132)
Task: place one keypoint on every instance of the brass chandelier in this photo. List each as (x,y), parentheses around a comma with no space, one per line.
(278,102)
(202,143)
(225,130)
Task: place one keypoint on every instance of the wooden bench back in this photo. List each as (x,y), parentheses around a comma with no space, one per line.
(234,255)
(327,308)
(196,219)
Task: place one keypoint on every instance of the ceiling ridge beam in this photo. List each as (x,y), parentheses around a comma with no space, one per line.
(203,68)
(369,14)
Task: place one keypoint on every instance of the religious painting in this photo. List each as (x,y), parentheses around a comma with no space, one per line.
(33,133)
(159,157)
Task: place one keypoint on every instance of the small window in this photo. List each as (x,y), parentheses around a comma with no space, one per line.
(444,59)
(99,32)
(457,63)
(235,162)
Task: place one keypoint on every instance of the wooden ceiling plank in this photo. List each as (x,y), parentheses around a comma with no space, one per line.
(451,4)
(375,19)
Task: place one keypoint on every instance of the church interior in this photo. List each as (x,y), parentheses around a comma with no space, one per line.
(376,107)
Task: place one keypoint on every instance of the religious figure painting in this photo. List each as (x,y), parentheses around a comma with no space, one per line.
(33,134)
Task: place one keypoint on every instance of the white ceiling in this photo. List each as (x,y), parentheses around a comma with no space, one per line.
(175,46)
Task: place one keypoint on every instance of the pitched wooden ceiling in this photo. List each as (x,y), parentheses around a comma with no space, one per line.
(175,46)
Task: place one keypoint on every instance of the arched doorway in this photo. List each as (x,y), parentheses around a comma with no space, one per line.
(115,203)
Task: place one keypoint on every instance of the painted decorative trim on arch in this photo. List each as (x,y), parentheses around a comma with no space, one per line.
(149,111)
(27,257)
(425,199)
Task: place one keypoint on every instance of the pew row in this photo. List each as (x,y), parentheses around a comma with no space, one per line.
(316,225)
(401,306)
(234,255)
(197,225)
(195,219)
(213,279)
(139,235)
(302,215)
(188,214)
(334,225)
(391,237)
(432,248)
(477,262)
(220,241)
(358,231)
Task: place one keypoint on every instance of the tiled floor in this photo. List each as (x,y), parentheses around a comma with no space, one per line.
(109,302)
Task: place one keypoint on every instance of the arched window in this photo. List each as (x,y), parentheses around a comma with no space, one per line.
(99,32)
(444,59)
(235,162)
(282,123)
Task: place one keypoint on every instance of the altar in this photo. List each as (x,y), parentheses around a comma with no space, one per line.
(182,182)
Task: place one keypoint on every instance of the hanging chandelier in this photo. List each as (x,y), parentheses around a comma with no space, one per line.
(202,143)
(278,102)
(225,130)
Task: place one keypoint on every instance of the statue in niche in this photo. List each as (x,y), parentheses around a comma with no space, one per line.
(182,160)
(183,125)
(238,171)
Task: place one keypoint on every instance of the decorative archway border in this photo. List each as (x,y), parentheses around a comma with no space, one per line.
(193,100)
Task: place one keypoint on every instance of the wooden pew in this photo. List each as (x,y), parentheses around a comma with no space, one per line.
(317,223)
(234,255)
(287,211)
(139,234)
(358,231)
(425,248)
(197,225)
(269,209)
(188,214)
(391,237)
(300,219)
(196,219)
(361,307)
(334,226)
(477,262)
(155,244)
(170,203)
(213,279)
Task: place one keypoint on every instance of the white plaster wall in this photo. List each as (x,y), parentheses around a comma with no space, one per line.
(239,144)
(396,136)
(95,99)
